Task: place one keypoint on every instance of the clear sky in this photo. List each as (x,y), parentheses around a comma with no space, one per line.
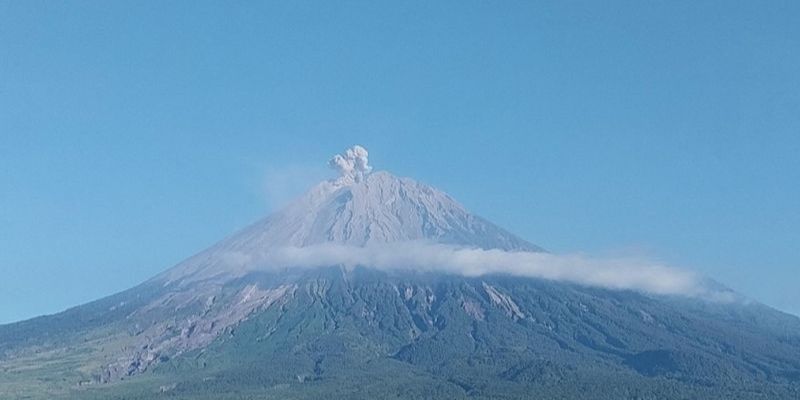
(134,134)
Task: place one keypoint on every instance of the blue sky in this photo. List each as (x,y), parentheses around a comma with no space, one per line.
(134,134)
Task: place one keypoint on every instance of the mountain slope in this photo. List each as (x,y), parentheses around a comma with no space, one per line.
(364,333)
(222,324)
(380,208)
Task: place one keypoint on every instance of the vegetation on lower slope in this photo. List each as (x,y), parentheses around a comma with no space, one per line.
(366,334)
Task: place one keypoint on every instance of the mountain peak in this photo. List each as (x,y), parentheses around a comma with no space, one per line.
(357,209)
(360,208)
(365,208)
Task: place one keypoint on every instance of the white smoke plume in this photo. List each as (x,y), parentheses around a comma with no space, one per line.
(619,274)
(352,164)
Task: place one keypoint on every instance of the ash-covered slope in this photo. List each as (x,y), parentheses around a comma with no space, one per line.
(379,208)
(376,208)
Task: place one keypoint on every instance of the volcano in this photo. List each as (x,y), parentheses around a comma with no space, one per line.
(376,286)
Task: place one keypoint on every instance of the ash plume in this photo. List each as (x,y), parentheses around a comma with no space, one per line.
(352,164)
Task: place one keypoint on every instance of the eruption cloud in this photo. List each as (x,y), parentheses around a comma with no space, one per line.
(352,164)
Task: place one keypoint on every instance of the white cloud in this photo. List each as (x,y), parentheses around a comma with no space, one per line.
(618,273)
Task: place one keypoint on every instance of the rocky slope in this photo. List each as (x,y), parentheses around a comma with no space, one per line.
(379,208)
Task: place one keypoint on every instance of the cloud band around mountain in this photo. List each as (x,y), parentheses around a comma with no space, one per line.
(618,273)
